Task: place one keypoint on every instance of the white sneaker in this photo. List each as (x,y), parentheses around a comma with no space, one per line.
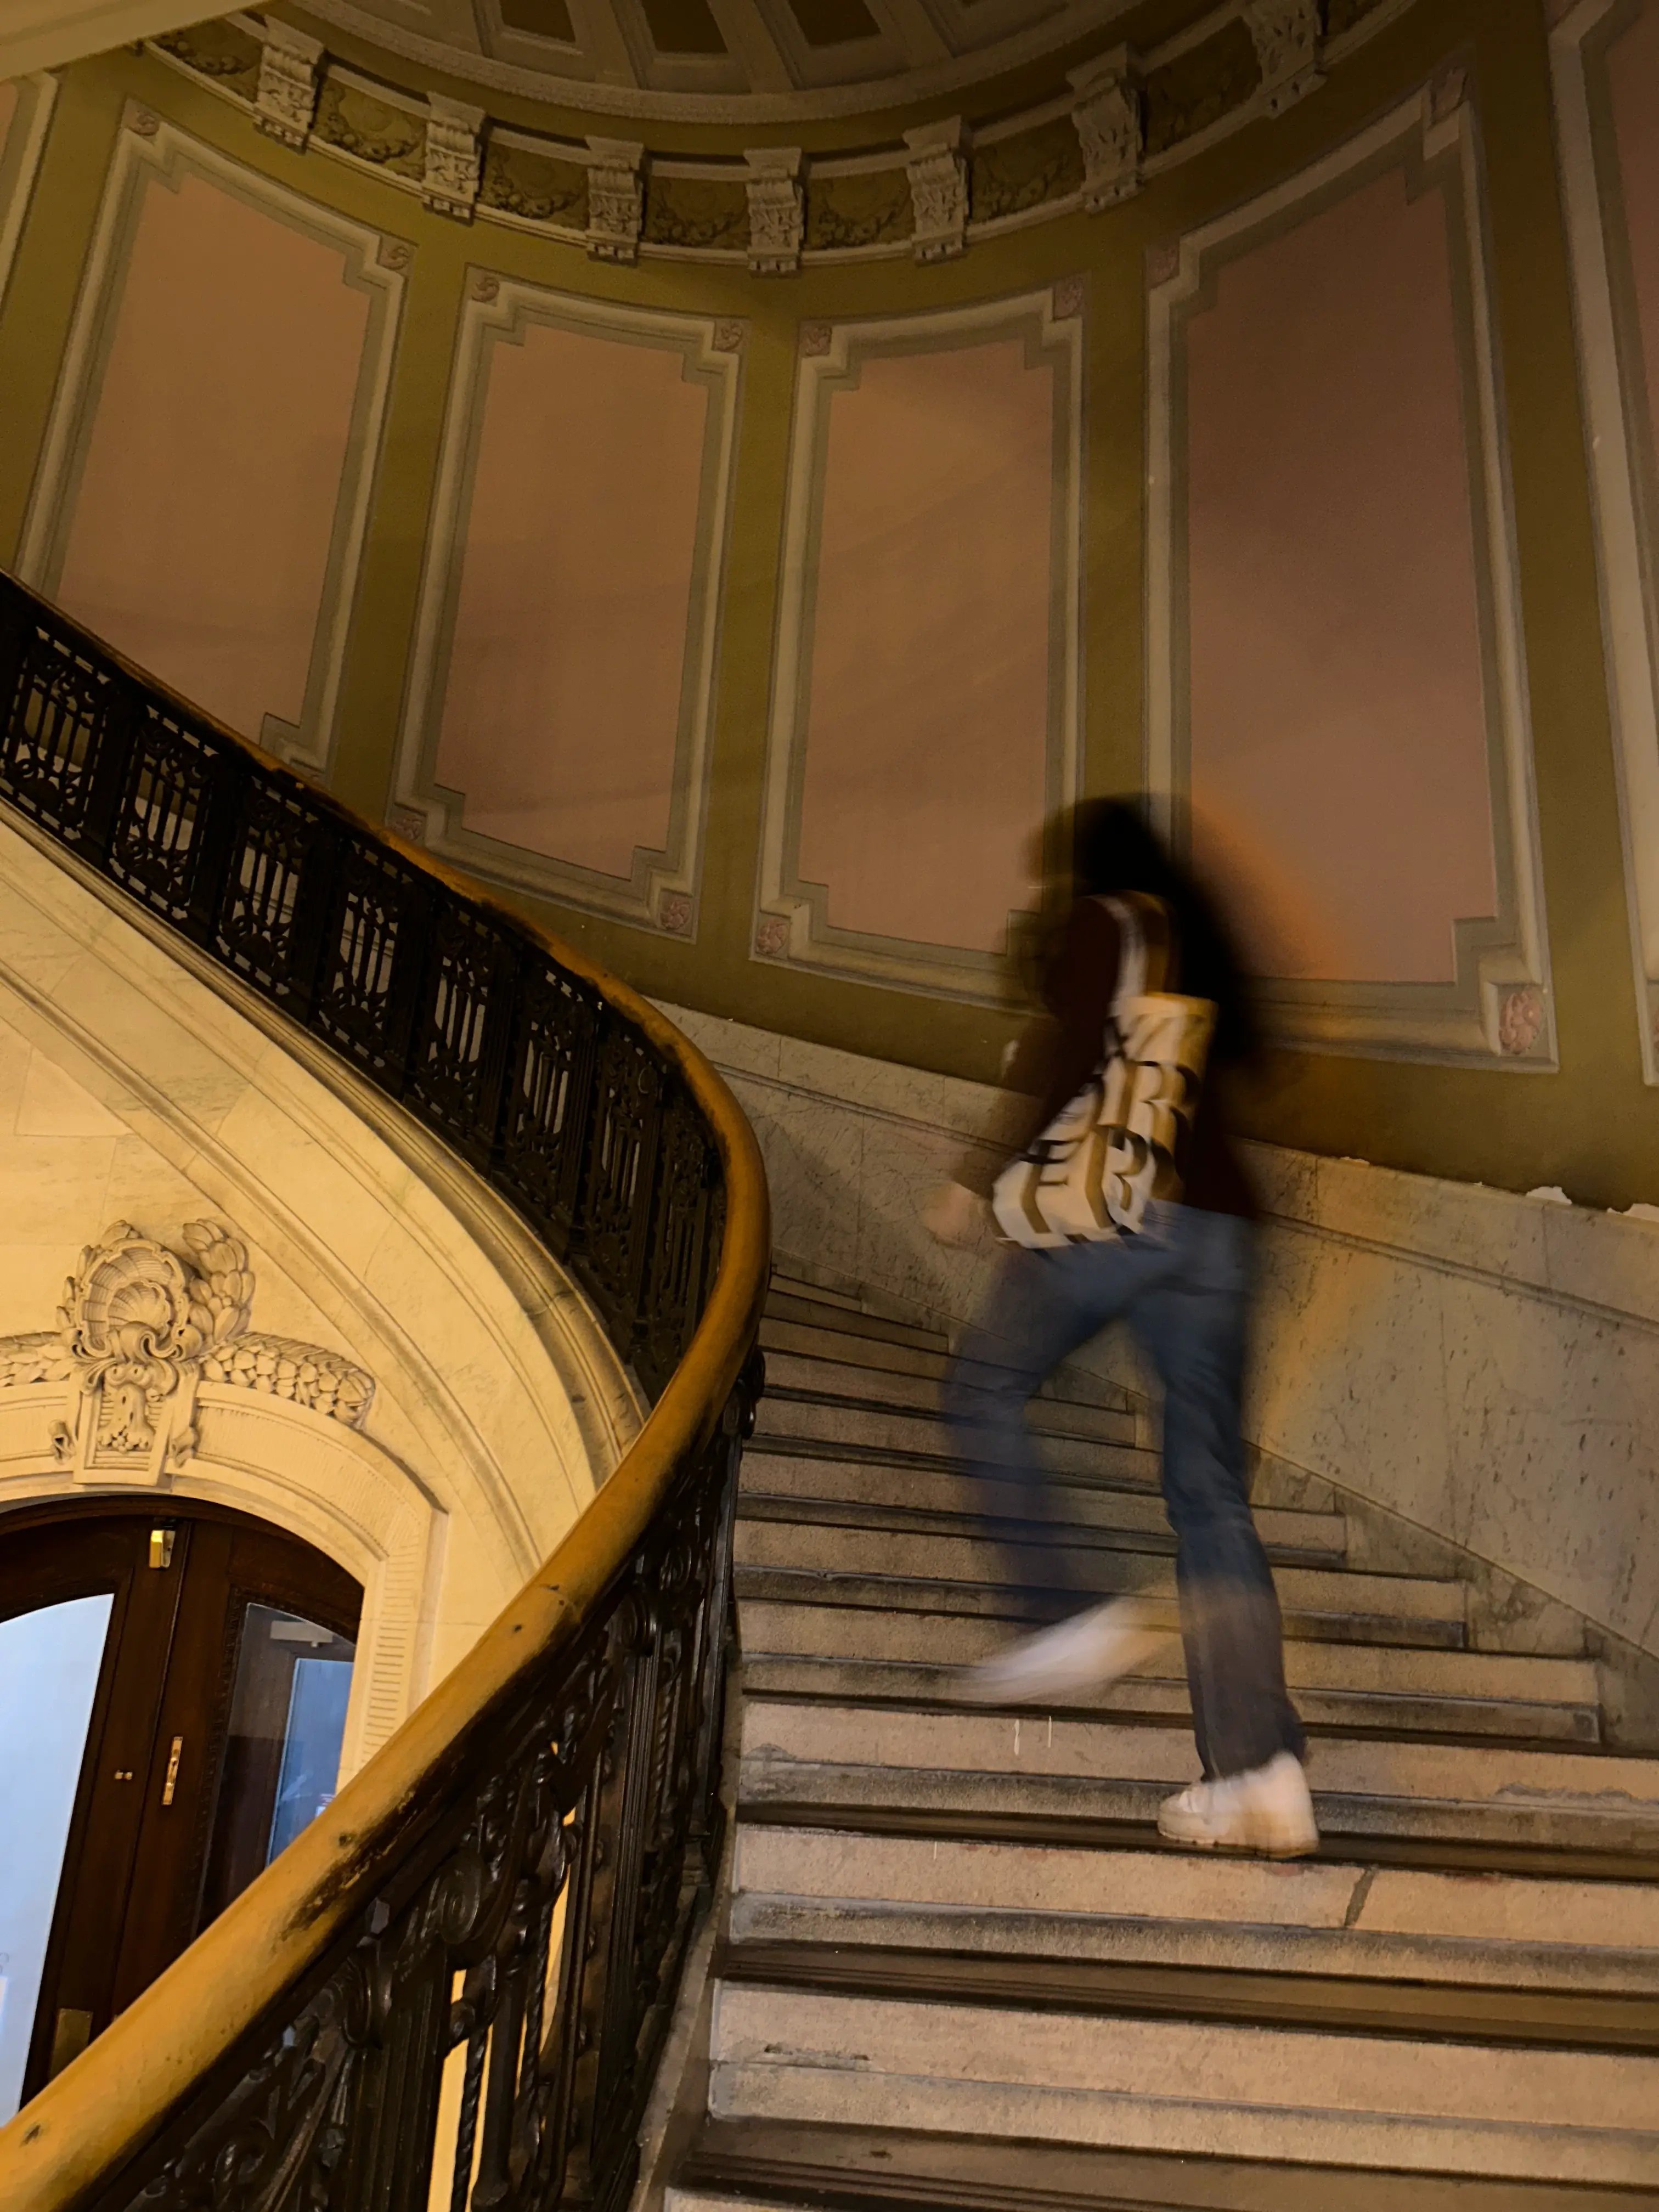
(1269,1810)
(1085,1652)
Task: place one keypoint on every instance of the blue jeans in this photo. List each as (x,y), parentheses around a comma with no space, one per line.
(1182,1285)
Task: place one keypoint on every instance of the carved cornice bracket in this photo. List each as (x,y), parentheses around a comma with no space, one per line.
(615,199)
(937,170)
(1109,114)
(454,157)
(1289,35)
(777,209)
(290,77)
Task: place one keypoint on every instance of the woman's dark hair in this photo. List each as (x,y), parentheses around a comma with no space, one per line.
(1116,848)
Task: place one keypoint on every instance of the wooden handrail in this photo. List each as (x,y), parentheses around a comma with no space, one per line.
(87,2131)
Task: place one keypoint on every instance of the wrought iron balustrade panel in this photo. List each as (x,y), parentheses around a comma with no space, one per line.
(525,1931)
(529,1939)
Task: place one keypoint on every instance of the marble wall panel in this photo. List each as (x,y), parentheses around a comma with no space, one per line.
(203,491)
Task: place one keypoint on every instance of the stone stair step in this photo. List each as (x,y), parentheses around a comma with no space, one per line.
(1321,1917)
(932,1599)
(838,1381)
(1107,1466)
(849,1755)
(877,1493)
(815,1309)
(748,2164)
(813,1546)
(878,1357)
(1210,2086)
(1564,1690)
(784,1416)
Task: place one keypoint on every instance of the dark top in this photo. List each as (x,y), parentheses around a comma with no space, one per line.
(1056,1057)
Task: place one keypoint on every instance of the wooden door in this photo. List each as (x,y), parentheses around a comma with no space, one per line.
(225,1662)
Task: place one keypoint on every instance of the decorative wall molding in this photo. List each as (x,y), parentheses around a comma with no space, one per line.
(285,102)
(140,1329)
(615,199)
(1288,36)
(1109,115)
(153,154)
(454,157)
(937,170)
(21,146)
(661,892)
(792,923)
(619,199)
(1624,476)
(777,209)
(1499,1007)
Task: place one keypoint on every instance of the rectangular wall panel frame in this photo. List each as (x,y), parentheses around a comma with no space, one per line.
(792,919)
(1624,476)
(1499,1011)
(20,163)
(662,890)
(150,151)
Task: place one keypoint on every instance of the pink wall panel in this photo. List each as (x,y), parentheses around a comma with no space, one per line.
(1633,79)
(1339,777)
(200,533)
(561,708)
(928,714)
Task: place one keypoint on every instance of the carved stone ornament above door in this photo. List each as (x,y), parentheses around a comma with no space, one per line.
(140,1329)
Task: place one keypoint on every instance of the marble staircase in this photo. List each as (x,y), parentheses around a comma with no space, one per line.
(958,1968)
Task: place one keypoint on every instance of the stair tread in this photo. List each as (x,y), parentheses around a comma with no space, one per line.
(1444,2013)
(861,2169)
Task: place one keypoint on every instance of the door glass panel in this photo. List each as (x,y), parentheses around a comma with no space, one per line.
(282,1758)
(49,1665)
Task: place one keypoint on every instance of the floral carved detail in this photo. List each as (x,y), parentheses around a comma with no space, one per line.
(937,170)
(140,1327)
(396,254)
(1109,116)
(816,340)
(220,50)
(615,199)
(1011,176)
(1163,264)
(691,211)
(285,100)
(849,213)
(777,210)
(1287,35)
(1200,89)
(1070,296)
(371,130)
(772,938)
(674,914)
(408,822)
(449,184)
(1521,1020)
(729,335)
(143,122)
(486,287)
(517,181)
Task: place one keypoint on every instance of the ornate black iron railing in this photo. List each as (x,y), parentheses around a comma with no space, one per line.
(451,1990)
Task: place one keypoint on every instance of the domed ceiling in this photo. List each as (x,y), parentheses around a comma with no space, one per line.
(721,61)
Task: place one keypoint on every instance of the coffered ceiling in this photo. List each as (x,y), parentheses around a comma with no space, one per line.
(721,61)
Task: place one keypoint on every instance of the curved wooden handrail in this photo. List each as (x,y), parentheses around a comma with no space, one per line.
(98,2113)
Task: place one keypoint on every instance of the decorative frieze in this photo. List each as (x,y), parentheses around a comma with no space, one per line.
(937,170)
(454,157)
(615,199)
(1109,114)
(777,209)
(290,77)
(140,1329)
(1288,35)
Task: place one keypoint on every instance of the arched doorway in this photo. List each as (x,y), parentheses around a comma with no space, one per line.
(173,1699)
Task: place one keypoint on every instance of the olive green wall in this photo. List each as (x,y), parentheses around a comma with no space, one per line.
(1592,1127)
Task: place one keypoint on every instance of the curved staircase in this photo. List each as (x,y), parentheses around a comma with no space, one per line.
(958,1968)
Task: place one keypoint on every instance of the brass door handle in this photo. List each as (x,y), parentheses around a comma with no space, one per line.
(170,1786)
